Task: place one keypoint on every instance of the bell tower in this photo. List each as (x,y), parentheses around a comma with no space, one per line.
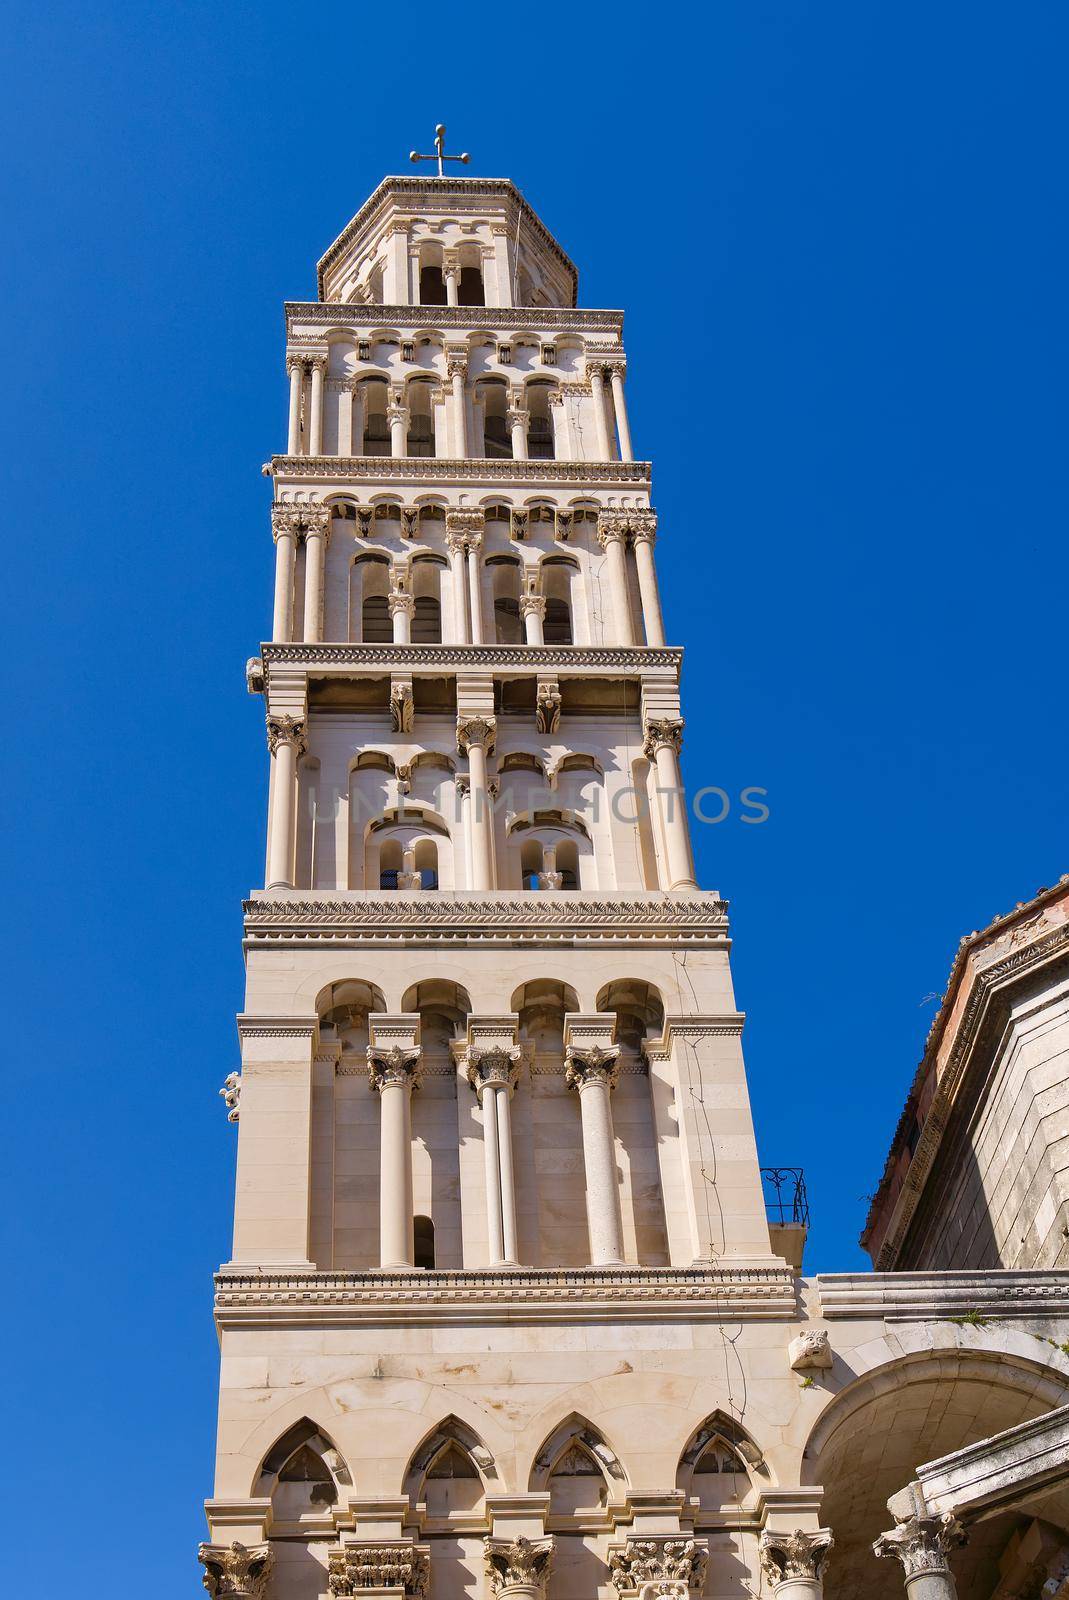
(492,1104)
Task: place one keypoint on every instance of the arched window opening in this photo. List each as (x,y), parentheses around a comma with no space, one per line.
(507,625)
(557,628)
(427,620)
(389,863)
(568,864)
(431,284)
(497,437)
(531,863)
(376,626)
(639,1011)
(425,862)
(576,1483)
(556,586)
(376,427)
(420,438)
(470,287)
(423,1233)
(539,423)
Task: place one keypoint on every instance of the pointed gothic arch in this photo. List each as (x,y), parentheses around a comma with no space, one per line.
(449,1438)
(305,1454)
(573,1443)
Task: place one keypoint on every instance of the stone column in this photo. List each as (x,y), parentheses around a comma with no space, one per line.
(922,1546)
(492,1074)
(794,1562)
(517,419)
(662,744)
(284,529)
(617,368)
(533,612)
(456,366)
(397,417)
(601,421)
(458,571)
(393,1069)
(295,368)
(236,1571)
(643,534)
(591,1068)
(402,605)
(450,272)
(475,737)
(316,539)
(315,423)
(473,547)
(612,536)
(358,419)
(663,1565)
(286,742)
(518,1569)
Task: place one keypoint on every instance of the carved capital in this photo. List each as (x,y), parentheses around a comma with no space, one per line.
(450,260)
(794,1555)
(517,417)
(476,731)
(533,604)
(294,364)
(356,1567)
(922,1544)
(400,600)
(231,1093)
(662,733)
(236,1570)
(616,366)
(392,1065)
(660,1566)
(547,706)
(465,522)
(396,413)
(456,360)
(498,1065)
(286,730)
(299,520)
(611,531)
(318,363)
(591,1063)
(518,1564)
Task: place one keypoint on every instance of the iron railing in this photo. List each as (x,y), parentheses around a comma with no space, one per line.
(785,1198)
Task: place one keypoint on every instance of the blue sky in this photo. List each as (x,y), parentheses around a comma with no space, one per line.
(838,232)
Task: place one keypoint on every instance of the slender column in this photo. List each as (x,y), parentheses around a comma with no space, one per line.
(517,421)
(236,1571)
(642,537)
(662,744)
(295,369)
(476,737)
(456,366)
(358,419)
(612,537)
(345,418)
(284,528)
(394,1071)
(450,270)
(315,424)
(286,742)
(533,612)
(316,539)
(397,416)
(592,1069)
(474,549)
(492,1074)
(601,421)
(794,1562)
(616,377)
(402,605)
(518,1569)
(461,622)
(922,1546)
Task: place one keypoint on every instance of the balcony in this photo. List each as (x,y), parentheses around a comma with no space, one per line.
(787,1209)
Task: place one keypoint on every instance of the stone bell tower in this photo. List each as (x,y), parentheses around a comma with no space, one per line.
(495,1145)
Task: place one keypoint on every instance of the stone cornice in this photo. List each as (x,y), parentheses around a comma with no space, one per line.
(467,470)
(502,320)
(556,660)
(382,917)
(644,1294)
(934,1296)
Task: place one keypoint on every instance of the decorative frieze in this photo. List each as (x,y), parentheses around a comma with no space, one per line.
(356,1567)
(585,474)
(563,658)
(659,1566)
(236,1571)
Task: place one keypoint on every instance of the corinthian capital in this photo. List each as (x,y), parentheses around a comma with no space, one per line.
(794,1555)
(518,1564)
(922,1544)
(497,1065)
(456,360)
(356,1567)
(476,731)
(662,733)
(591,1063)
(400,600)
(299,519)
(286,730)
(236,1570)
(661,1566)
(466,523)
(390,1065)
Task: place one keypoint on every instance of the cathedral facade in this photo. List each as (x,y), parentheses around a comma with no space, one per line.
(504,1315)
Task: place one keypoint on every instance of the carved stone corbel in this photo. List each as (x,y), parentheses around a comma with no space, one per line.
(402,706)
(547,705)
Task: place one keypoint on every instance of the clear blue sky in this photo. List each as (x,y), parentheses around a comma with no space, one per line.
(838,232)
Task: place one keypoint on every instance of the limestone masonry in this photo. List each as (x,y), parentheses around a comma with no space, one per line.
(505,1316)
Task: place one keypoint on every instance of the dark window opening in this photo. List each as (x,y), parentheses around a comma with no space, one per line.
(557,628)
(497,438)
(427,620)
(540,439)
(376,623)
(470,287)
(420,435)
(423,1235)
(432,287)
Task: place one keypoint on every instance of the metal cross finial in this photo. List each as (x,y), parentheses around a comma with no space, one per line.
(439,149)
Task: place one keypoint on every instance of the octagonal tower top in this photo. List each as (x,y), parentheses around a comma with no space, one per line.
(440,241)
